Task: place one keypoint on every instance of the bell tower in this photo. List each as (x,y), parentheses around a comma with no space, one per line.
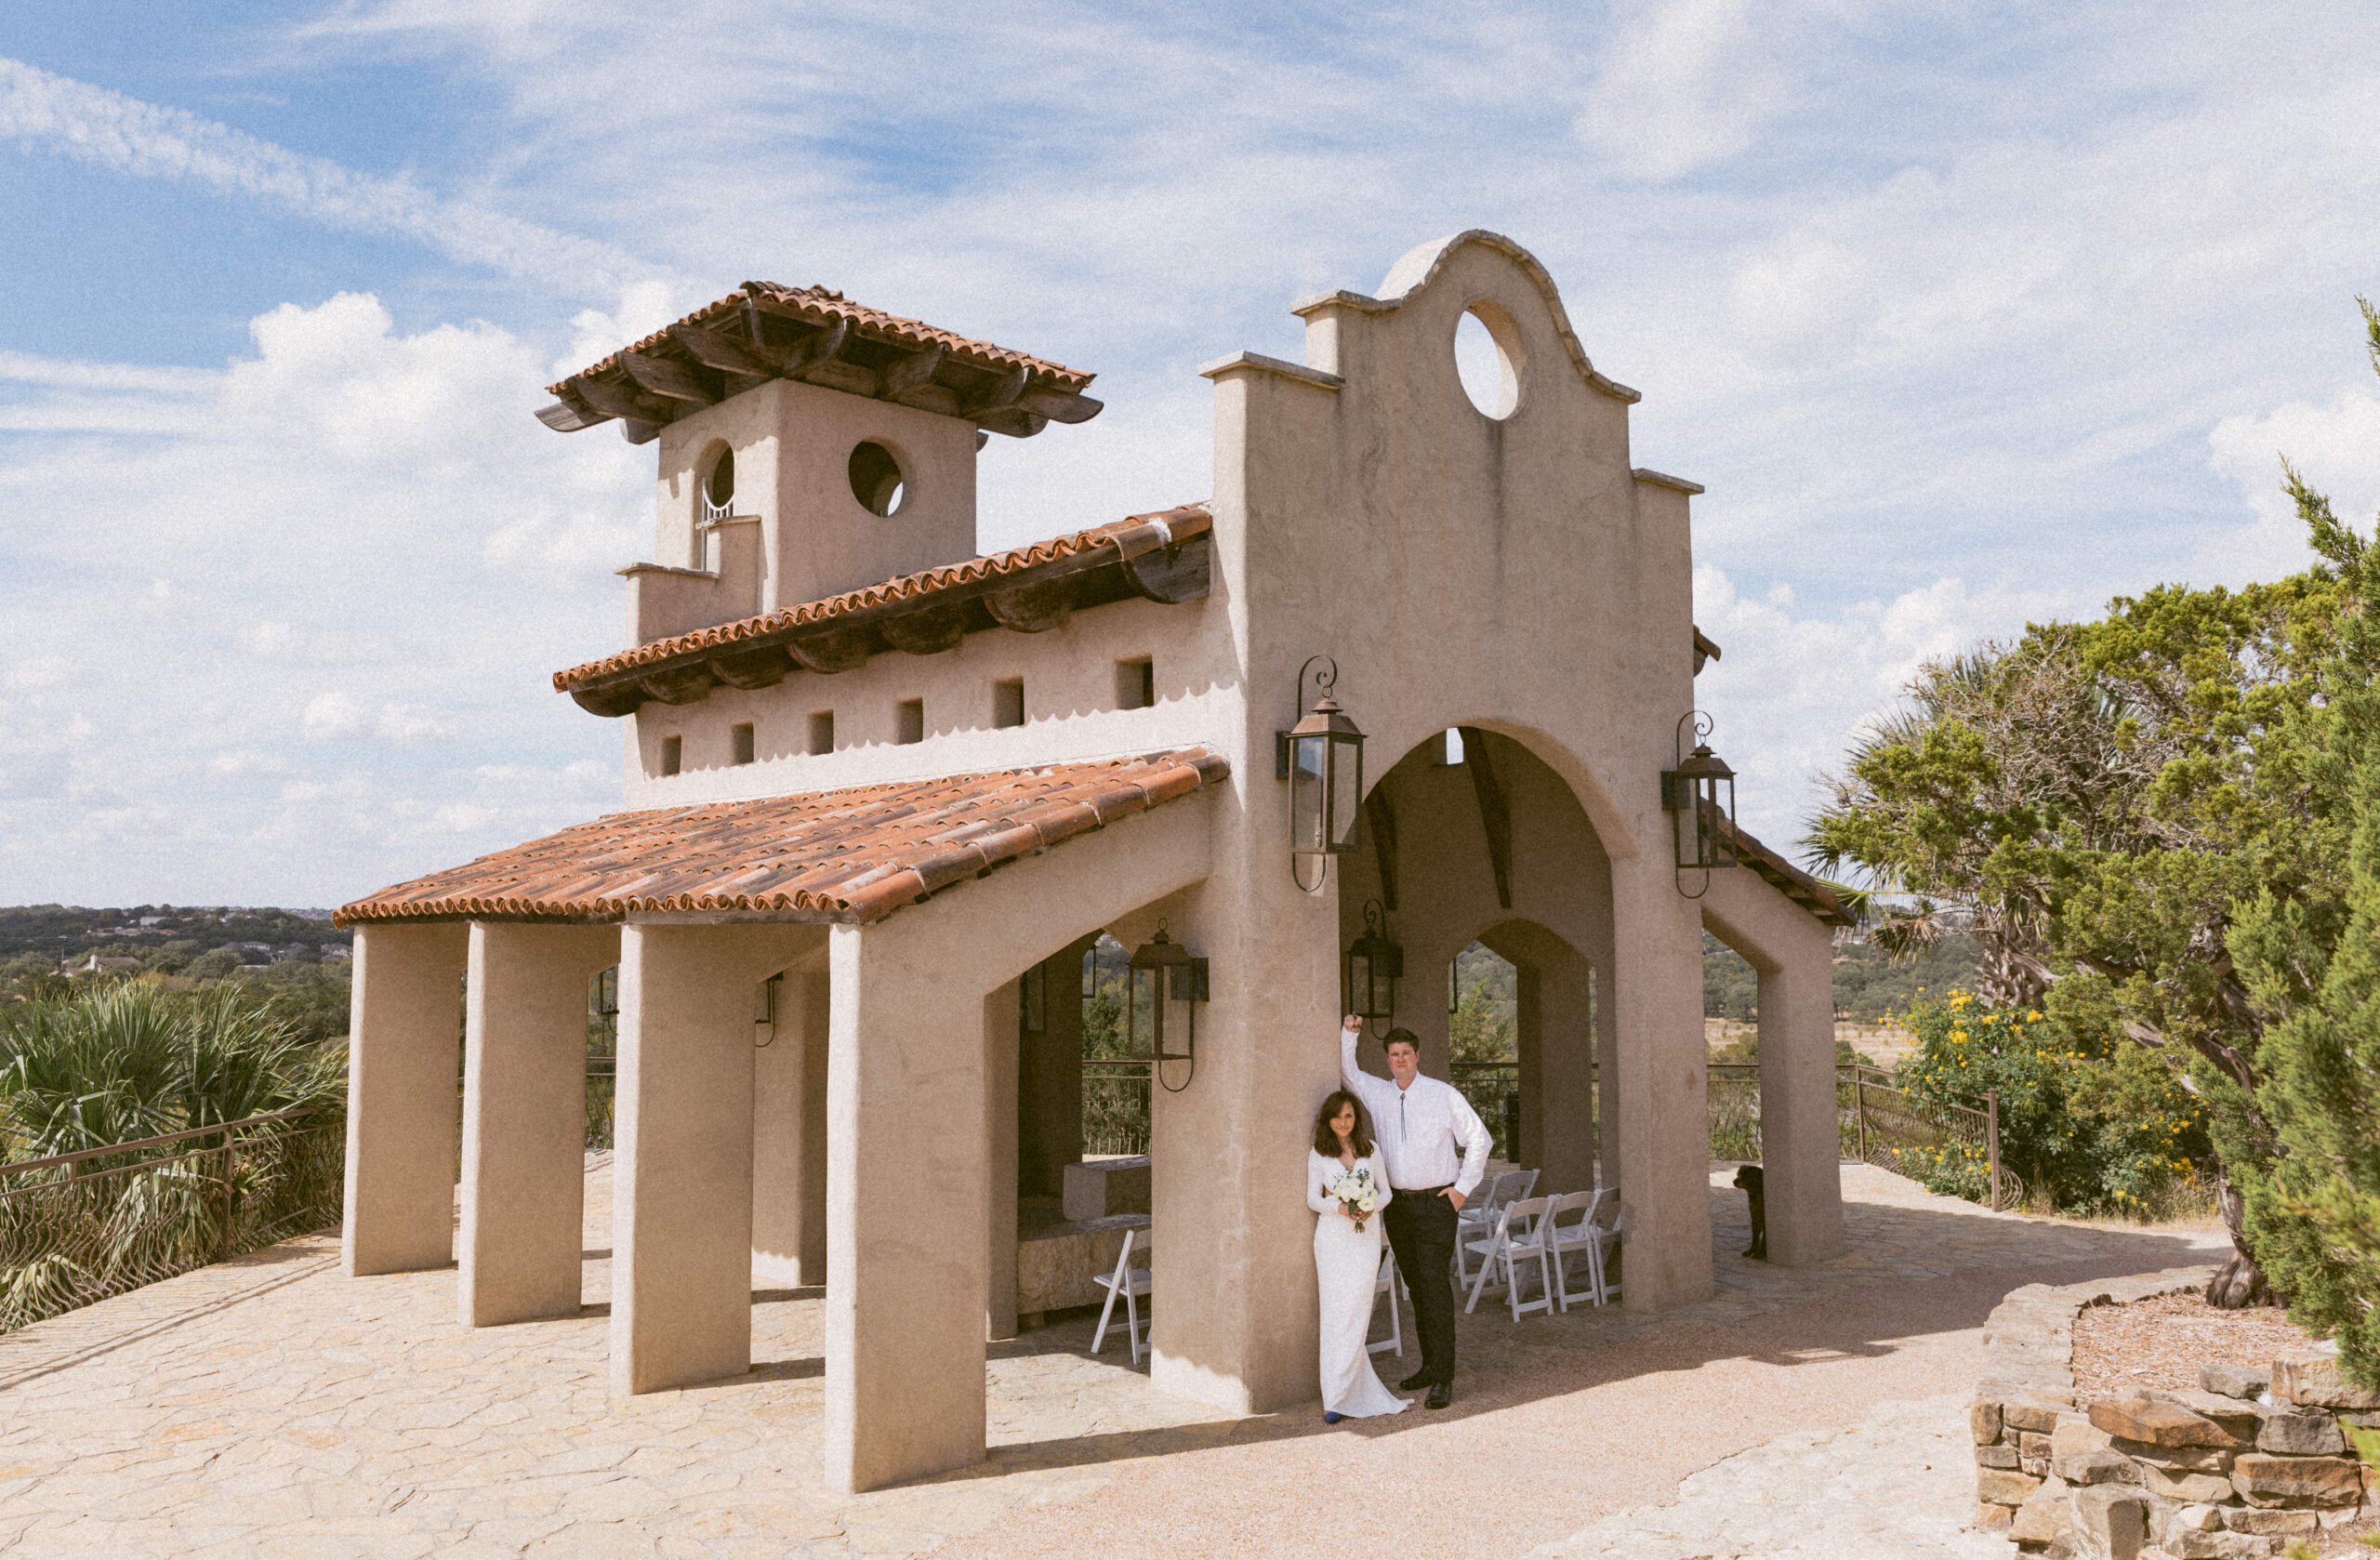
(809,446)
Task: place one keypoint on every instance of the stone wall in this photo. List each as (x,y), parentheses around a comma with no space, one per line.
(2239,1467)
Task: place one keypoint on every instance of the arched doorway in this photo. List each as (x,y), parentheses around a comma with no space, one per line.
(1480,863)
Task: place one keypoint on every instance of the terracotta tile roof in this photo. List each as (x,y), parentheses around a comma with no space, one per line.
(1122,538)
(849,857)
(1809,893)
(824,306)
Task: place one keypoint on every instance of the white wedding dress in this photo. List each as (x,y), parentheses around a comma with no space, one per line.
(1347,1266)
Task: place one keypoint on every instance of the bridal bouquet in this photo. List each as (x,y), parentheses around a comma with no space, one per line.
(1355,1190)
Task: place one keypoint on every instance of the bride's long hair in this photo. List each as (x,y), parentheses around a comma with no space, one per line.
(1326,1137)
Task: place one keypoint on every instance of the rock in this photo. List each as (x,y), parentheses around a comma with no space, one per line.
(2097,1467)
(2221,1546)
(2008,1488)
(2248,1519)
(2297,1481)
(2235,1380)
(2162,1424)
(2240,1419)
(1995,1456)
(2301,1433)
(1992,1518)
(2037,1412)
(2199,1519)
(2042,1518)
(2075,1435)
(1984,1420)
(2312,1380)
(2189,1488)
(2111,1523)
(2187,1460)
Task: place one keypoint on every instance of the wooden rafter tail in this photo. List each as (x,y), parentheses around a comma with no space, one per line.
(1059,406)
(676,380)
(616,399)
(726,353)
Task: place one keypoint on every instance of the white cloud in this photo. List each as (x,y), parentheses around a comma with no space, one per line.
(127,136)
(1790,688)
(331,716)
(2334,445)
(1685,84)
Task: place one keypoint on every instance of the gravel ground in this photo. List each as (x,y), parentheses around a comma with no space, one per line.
(2161,1343)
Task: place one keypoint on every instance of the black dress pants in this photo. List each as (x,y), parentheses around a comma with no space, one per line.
(1421,1233)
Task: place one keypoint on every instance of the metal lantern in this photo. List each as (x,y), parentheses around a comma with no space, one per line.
(1322,758)
(1700,797)
(1162,972)
(1373,965)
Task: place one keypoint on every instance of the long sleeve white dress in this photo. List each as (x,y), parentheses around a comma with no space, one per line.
(1347,1266)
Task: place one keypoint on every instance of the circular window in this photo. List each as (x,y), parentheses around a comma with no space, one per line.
(718,488)
(876,482)
(1488,358)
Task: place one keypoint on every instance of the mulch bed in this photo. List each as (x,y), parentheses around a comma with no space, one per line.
(2161,1343)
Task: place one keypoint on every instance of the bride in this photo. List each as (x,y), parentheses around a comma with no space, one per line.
(1346,1258)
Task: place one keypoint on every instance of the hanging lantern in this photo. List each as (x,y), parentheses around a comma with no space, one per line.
(1373,965)
(1322,758)
(1700,797)
(1162,972)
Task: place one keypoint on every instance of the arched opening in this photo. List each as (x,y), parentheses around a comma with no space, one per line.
(714,502)
(1497,890)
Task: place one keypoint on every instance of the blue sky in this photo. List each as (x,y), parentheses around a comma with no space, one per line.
(1966,315)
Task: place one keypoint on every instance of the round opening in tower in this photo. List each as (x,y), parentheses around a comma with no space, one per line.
(1488,358)
(876,479)
(718,488)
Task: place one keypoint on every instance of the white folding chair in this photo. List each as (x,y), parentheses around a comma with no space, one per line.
(1519,1238)
(1566,1240)
(1478,1217)
(1132,1285)
(1599,1254)
(1388,1286)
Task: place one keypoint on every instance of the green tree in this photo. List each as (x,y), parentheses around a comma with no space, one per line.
(2312,1200)
(2099,800)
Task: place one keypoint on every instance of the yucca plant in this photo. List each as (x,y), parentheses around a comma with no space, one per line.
(112,1065)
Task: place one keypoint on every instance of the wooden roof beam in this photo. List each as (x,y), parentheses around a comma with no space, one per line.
(675,380)
(714,349)
(616,399)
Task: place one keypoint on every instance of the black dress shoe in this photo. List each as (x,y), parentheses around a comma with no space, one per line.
(1440,1395)
(1414,1382)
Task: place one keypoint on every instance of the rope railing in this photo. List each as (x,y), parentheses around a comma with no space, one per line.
(79,1227)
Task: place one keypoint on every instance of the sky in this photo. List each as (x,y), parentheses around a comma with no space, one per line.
(1966,316)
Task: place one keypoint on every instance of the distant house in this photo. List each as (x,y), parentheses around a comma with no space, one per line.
(337,950)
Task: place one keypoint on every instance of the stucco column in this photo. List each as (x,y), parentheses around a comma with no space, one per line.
(1002,1041)
(524,1118)
(1800,1130)
(1656,1092)
(789,1138)
(406,1035)
(682,1176)
(908,1167)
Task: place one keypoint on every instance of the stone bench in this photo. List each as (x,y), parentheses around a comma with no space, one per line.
(1056,1263)
(1101,1188)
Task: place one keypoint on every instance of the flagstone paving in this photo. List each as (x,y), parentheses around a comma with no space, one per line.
(268,1407)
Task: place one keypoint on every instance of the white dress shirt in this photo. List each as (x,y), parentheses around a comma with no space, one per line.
(1421,1127)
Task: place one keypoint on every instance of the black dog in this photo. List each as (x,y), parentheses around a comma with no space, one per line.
(1748,1180)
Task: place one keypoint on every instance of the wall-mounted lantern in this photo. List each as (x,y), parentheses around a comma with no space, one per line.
(1700,797)
(1373,965)
(1322,758)
(764,1011)
(1162,972)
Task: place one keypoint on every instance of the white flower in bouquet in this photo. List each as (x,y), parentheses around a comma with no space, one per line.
(1354,1189)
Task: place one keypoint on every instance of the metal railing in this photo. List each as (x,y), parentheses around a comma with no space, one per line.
(1949,1147)
(1115,1108)
(1732,1096)
(1494,1090)
(76,1228)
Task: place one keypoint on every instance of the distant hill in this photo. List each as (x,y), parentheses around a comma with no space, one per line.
(168,936)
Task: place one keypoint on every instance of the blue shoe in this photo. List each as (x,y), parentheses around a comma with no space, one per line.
(1333,1419)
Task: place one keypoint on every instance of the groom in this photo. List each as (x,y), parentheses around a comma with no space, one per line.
(1422,1123)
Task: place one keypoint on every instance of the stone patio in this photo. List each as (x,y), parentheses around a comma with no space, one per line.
(268,1407)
